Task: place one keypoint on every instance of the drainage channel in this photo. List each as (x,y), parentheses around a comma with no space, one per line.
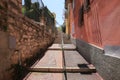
(64,64)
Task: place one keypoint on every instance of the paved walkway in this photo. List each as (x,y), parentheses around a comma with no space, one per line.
(53,59)
(65,46)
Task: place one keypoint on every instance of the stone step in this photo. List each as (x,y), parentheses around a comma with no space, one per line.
(61,49)
(65,47)
(82,76)
(74,59)
(44,76)
(89,69)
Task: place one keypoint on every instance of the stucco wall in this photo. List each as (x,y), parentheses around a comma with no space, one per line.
(109,21)
(100,22)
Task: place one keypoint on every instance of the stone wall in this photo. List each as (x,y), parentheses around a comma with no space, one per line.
(84,49)
(108,66)
(21,40)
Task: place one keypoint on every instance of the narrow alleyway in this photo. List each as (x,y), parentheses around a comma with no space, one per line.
(62,62)
(89,48)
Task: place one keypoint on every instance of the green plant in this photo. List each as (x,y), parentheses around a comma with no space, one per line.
(19,71)
(5,28)
(1,7)
(23,10)
(27,4)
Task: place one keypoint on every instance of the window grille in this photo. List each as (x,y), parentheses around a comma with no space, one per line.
(81,16)
(86,5)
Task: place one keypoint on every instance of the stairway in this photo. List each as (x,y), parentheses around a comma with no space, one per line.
(62,62)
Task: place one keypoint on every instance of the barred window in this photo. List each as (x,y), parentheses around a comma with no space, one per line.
(81,16)
(87,5)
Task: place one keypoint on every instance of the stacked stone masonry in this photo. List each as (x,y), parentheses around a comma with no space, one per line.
(22,38)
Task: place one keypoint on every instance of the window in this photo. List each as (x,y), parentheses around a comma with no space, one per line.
(81,16)
(86,5)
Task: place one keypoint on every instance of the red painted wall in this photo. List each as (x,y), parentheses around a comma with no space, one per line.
(80,31)
(109,19)
(101,24)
